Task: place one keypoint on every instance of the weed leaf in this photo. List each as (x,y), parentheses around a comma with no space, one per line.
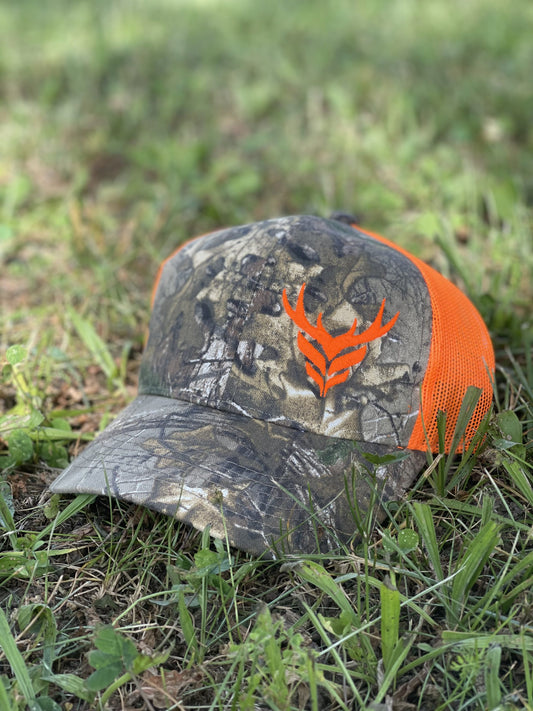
(16,354)
(104,676)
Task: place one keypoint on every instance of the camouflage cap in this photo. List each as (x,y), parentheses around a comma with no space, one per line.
(290,383)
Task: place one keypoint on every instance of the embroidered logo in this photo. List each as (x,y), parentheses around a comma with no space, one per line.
(331,366)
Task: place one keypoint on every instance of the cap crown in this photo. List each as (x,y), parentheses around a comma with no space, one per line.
(311,324)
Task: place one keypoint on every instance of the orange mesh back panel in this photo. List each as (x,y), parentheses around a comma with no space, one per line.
(460,355)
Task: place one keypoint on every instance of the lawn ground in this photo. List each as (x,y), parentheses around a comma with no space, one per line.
(127,127)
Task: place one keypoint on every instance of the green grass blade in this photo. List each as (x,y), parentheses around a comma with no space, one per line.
(17,663)
(94,343)
(54,434)
(5,702)
(468,406)
(469,567)
(390,621)
(72,684)
(187,625)
(317,575)
(332,649)
(73,508)
(39,619)
(519,477)
(6,517)
(528,674)
(492,676)
(481,640)
(426,528)
(397,659)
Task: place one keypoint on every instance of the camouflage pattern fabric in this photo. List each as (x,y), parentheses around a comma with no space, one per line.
(220,335)
(262,485)
(279,353)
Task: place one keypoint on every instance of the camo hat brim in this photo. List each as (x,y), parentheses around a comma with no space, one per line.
(291,381)
(264,487)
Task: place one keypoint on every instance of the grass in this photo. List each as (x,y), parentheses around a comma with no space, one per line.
(127,127)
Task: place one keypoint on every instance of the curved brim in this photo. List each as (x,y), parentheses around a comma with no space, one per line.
(262,486)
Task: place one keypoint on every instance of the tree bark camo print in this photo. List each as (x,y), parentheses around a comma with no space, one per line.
(220,335)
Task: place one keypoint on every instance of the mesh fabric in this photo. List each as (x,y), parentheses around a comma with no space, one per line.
(460,356)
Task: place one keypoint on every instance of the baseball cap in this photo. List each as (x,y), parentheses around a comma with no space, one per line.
(293,373)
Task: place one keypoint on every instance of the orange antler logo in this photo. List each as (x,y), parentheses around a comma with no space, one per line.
(329,367)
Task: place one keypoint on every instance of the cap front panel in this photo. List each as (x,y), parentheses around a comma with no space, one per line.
(301,321)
